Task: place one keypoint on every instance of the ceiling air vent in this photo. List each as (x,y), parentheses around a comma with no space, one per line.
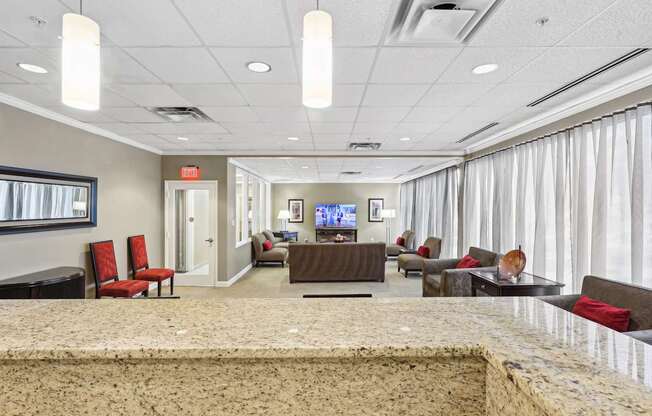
(351,172)
(437,21)
(631,55)
(475,133)
(364,146)
(180,114)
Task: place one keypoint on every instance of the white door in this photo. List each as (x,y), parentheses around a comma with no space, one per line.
(191,232)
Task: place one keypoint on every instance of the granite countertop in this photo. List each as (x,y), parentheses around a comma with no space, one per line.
(566,364)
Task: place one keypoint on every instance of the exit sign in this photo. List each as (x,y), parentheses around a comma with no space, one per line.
(189,172)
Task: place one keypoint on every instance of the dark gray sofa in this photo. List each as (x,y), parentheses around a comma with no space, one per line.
(636,298)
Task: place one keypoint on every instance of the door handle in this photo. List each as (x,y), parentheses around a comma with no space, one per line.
(209,240)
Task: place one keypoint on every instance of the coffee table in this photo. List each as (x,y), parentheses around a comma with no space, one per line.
(528,285)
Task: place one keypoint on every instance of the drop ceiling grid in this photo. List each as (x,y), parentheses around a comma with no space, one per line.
(126,53)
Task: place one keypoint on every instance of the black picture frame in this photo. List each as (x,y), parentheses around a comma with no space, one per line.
(38,225)
(376,217)
(298,202)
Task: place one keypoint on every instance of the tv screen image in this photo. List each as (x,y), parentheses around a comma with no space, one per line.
(335,216)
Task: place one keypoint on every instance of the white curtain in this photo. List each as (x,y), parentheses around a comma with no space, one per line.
(31,201)
(429,208)
(578,202)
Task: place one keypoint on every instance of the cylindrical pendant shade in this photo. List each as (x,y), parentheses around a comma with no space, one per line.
(80,62)
(317,59)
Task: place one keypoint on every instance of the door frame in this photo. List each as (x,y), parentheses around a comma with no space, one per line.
(170,229)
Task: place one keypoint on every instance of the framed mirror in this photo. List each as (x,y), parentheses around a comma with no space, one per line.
(32,200)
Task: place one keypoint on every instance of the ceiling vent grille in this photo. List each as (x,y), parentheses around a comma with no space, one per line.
(631,55)
(180,114)
(438,21)
(475,133)
(363,146)
(351,172)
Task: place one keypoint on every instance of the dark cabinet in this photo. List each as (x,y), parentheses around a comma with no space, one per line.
(57,283)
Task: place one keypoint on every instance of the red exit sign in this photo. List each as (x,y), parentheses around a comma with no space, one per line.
(189,172)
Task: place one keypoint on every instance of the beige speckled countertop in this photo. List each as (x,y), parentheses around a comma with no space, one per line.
(567,365)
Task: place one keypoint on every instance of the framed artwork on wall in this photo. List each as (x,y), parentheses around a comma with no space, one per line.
(295,206)
(376,206)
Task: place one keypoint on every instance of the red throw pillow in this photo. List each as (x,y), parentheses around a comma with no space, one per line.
(602,313)
(423,251)
(468,262)
(400,241)
(267,245)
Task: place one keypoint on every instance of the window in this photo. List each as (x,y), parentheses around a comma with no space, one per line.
(252,206)
(239,192)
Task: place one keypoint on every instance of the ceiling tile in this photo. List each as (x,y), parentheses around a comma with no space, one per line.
(82,115)
(331,128)
(509,60)
(412,65)
(355,23)
(139,23)
(10,57)
(34,94)
(181,128)
(514,95)
(347,95)
(8,41)
(122,129)
(180,65)
(411,129)
(210,94)
(382,114)
(393,94)
(431,114)
(234,61)
(271,94)
(15,21)
(131,115)
(237,22)
(9,79)
(235,114)
(150,95)
(150,140)
(373,129)
(625,23)
(286,114)
(514,22)
(333,114)
(454,94)
(352,65)
(568,64)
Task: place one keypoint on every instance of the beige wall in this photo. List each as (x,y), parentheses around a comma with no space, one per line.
(315,193)
(129,193)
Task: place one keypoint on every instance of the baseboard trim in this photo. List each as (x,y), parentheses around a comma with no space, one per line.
(235,278)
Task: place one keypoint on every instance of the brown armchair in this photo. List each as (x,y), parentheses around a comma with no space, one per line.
(441,278)
(275,255)
(393,249)
(276,241)
(412,262)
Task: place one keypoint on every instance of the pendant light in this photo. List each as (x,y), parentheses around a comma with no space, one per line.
(80,62)
(317,59)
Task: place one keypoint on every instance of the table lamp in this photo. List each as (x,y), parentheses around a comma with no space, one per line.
(284,216)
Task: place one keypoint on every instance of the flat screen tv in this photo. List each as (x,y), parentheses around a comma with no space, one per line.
(335,216)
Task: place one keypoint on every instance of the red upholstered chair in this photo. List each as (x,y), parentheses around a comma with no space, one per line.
(140,264)
(106,274)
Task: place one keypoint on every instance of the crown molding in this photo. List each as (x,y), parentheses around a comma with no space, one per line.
(49,114)
(624,86)
(454,162)
(317,153)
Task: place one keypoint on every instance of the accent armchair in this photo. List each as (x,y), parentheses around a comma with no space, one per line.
(140,264)
(441,278)
(413,262)
(276,241)
(272,255)
(393,249)
(106,274)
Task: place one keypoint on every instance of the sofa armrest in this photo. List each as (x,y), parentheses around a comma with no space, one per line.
(565,302)
(644,335)
(438,265)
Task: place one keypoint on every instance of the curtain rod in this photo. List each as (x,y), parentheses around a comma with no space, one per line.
(625,110)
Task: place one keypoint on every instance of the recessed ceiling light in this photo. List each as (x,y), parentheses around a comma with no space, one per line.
(305,167)
(404,139)
(183,139)
(32,68)
(293,139)
(484,69)
(259,67)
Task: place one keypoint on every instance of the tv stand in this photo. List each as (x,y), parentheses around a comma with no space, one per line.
(323,235)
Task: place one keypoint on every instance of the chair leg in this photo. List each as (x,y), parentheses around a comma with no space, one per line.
(158,289)
(406,273)
(146,293)
(172,286)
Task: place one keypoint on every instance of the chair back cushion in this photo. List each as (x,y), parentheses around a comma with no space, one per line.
(408,236)
(423,251)
(138,251)
(104,263)
(635,298)
(487,258)
(267,245)
(434,245)
(269,235)
(400,241)
(602,313)
(257,240)
(468,262)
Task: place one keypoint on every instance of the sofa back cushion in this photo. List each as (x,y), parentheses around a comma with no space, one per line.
(602,313)
(434,245)
(485,257)
(635,298)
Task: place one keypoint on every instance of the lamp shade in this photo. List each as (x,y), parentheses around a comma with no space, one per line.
(388,213)
(80,62)
(317,59)
(283,214)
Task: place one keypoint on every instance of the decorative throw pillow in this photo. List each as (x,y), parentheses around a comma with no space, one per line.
(423,251)
(602,313)
(267,245)
(400,241)
(468,262)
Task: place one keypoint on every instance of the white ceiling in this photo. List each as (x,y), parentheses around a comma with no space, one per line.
(193,52)
(329,169)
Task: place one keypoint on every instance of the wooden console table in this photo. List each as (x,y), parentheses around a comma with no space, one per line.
(287,235)
(328,234)
(528,285)
(57,283)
